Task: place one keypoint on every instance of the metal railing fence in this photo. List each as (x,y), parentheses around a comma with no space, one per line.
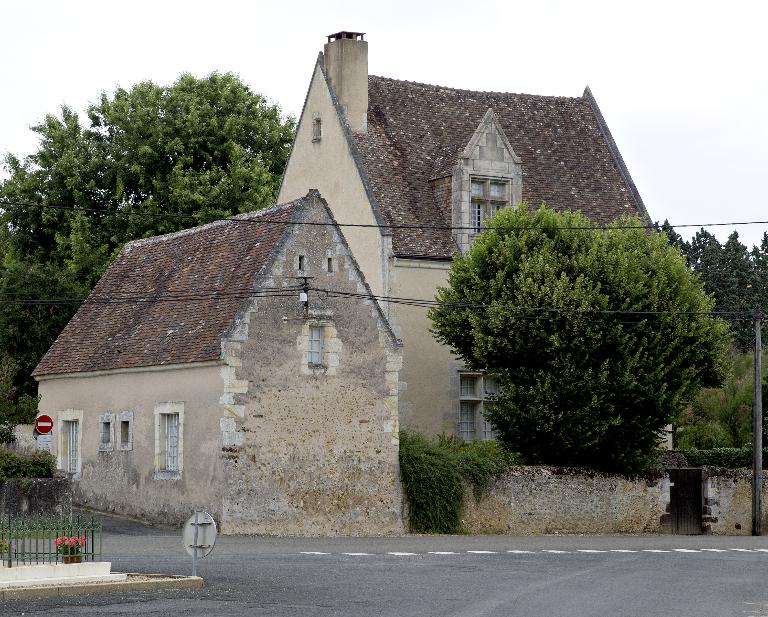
(34,539)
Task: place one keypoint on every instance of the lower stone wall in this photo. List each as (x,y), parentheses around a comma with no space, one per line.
(728,501)
(548,500)
(36,496)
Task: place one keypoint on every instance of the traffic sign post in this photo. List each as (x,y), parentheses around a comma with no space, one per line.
(199,537)
(43,424)
(43,433)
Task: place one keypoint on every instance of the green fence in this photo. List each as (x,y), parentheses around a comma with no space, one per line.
(28,540)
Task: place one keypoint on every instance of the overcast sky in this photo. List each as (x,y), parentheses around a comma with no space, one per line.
(682,85)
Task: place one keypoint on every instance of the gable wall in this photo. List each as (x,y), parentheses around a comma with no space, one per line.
(312,451)
(327,165)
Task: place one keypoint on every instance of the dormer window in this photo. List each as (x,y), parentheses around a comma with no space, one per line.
(489,195)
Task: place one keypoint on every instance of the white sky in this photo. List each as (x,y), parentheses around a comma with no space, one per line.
(683,85)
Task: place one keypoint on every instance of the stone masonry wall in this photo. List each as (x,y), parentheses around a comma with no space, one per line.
(542,500)
(311,450)
(36,496)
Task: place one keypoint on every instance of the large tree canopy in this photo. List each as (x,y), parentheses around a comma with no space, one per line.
(735,276)
(197,149)
(597,337)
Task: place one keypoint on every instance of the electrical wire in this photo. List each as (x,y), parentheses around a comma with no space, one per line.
(264,221)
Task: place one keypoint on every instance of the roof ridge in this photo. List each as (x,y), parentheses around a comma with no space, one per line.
(253,214)
(465,91)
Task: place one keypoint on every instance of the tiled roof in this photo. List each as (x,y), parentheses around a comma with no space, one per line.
(115,329)
(416,133)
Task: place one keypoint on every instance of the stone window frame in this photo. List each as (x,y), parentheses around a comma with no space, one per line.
(317,127)
(330,349)
(476,428)
(161,410)
(107,418)
(486,205)
(315,352)
(302,264)
(70,415)
(124,416)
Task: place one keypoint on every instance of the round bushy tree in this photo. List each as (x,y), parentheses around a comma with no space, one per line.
(598,337)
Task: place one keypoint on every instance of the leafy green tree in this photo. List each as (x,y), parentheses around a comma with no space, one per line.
(530,303)
(197,149)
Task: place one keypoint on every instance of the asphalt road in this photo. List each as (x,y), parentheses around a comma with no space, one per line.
(457,576)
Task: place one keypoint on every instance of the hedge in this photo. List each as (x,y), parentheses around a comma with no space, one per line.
(434,473)
(731,458)
(37,465)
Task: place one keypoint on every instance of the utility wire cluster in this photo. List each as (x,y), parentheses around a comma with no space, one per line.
(265,221)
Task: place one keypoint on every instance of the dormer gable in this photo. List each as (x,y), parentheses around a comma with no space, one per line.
(489,176)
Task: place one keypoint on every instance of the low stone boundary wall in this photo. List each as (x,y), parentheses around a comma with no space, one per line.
(547,500)
(36,496)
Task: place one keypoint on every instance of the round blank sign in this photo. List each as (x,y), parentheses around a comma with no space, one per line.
(206,534)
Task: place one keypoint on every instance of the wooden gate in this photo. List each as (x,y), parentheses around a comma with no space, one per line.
(685,501)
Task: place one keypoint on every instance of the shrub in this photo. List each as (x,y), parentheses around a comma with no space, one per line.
(702,436)
(6,433)
(724,457)
(434,471)
(37,465)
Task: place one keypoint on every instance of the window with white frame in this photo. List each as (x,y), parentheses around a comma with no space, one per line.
(489,195)
(474,390)
(315,351)
(70,454)
(169,431)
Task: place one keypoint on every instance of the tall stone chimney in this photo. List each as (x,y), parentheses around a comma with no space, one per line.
(346,65)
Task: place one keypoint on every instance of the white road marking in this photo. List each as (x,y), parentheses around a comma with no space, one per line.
(356,554)
(553,551)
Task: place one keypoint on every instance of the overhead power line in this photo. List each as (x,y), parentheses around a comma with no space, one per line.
(264,221)
(519,311)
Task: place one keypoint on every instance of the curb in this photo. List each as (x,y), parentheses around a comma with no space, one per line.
(162,581)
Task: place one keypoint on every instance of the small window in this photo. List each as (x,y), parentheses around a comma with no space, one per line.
(302,262)
(317,129)
(468,386)
(106,428)
(475,391)
(124,428)
(330,264)
(467,421)
(488,197)
(106,432)
(315,356)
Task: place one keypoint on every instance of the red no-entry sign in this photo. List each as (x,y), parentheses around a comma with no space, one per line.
(44,424)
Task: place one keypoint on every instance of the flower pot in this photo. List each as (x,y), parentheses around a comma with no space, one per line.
(71,558)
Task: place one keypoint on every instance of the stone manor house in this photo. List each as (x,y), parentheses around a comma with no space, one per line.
(220,384)
(397,153)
